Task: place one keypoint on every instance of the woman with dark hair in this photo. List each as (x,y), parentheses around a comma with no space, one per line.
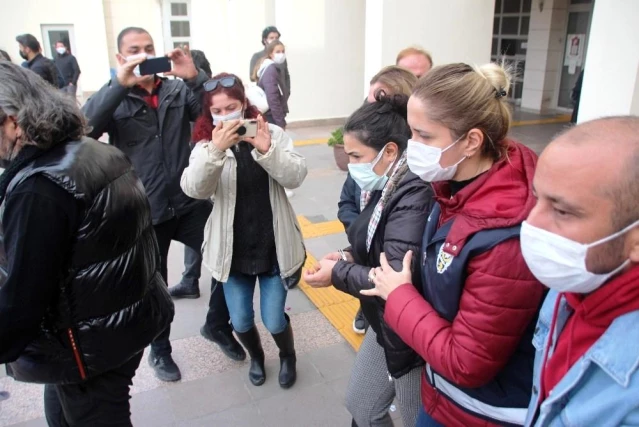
(269,77)
(4,55)
(395,205)
(252,233)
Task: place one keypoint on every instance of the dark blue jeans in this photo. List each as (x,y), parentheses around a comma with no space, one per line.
(425,420)
(239,290)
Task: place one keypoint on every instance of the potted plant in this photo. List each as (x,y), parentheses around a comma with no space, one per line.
(337,142)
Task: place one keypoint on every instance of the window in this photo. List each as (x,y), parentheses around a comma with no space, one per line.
(177,23)
(510,39)
(178,9)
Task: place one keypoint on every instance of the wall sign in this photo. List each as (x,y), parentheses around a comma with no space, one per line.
(575,45)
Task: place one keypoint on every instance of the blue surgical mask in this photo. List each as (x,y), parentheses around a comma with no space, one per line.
(365,176)
(235,115)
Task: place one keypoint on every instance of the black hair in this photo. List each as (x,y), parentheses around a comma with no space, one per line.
(5,55)
(269,30)
(128,30)
(28,40)
(376,124)
(200,62)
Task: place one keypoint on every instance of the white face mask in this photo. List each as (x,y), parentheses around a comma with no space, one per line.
(279,58)
(364,175)
(61,50)
(235,115)
(560,263)
(423,161)
(136,70)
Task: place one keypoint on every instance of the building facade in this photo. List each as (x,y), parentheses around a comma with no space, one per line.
(334,47)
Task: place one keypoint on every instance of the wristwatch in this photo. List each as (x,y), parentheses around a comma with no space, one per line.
(342,254)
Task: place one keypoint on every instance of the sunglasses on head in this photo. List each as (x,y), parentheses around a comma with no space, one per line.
(227,82)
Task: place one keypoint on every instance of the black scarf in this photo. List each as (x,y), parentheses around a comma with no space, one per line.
(27,154)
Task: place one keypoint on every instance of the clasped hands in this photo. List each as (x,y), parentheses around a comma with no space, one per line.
(384,277)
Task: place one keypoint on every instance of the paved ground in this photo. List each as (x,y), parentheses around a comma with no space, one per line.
(215,391)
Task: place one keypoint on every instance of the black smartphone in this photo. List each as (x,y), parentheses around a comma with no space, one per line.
(155,66)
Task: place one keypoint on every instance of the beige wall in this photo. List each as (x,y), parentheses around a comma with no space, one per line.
(120,14)
(87,18)
(227,34)
(452,30)
(325,45)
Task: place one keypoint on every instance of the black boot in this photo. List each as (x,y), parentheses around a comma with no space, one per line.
(288,361)
(251,340)
(185,290)
(226,341)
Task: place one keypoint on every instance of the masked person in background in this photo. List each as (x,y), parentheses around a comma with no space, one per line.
(31,52)
(582,241)
(68,67)
(149,119)
(252,234)
(267,75)
(270,34)
(473,317)
(396,205)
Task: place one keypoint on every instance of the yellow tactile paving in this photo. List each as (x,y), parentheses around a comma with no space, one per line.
(565,118)
(315,141)
(338,307)
(310,230)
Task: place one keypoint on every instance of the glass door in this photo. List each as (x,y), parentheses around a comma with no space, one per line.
(51,34)
(575,48)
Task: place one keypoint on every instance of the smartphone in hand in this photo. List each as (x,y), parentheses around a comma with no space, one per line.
(155,66)
(248,129)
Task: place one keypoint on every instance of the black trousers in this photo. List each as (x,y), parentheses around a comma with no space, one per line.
(189,230)
(100,401)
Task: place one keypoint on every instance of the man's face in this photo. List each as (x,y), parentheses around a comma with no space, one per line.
(271,37)
(134,43)
(59,45)
(417,64)
(9,134)
(571,184)
(24,51)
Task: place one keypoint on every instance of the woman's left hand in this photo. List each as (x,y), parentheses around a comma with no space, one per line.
(386,279)
(320,275)
(262,141)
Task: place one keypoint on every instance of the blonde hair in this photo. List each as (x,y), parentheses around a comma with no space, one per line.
(267,53)
(413,50)
(462,97)
(398,80)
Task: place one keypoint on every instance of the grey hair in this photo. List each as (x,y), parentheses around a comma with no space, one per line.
(46,115)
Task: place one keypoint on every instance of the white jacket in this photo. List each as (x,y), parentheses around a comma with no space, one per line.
(213,174)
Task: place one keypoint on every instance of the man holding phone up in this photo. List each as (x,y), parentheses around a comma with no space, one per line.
(148,118)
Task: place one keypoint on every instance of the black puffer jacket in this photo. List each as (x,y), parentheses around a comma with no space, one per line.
(113,302)
(156,140)
(400,229)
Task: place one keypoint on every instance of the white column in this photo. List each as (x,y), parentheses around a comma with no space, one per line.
(611,74)
(373,40)
(544,56)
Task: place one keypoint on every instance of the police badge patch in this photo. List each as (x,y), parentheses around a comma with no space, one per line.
(443,260)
